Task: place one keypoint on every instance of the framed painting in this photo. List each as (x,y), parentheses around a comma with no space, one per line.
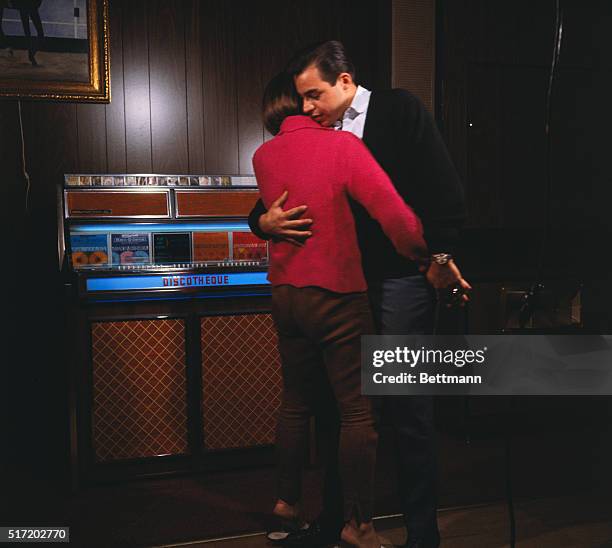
(55,49)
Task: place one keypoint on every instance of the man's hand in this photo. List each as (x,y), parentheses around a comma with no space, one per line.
(286,225)
(446,276)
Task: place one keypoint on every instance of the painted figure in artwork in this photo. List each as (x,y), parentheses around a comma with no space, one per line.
(28,9)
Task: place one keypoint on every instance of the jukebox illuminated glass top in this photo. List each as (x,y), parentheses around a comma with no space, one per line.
(131,223)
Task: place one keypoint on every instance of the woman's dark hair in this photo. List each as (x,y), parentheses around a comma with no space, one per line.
(279,101)
(329,57)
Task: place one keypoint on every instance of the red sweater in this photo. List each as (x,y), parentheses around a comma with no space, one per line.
(322,168)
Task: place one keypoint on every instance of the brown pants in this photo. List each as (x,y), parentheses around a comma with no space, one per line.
(320,335)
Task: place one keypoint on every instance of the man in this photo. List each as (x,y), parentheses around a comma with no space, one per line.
(403,137)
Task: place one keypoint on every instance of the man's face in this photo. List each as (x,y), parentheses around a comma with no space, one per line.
(323,102)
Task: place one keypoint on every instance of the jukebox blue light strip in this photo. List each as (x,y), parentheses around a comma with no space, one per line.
(156,227)
(183,281)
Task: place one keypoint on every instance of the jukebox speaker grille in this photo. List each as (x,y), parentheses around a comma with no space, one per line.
(241,380)
(139,389)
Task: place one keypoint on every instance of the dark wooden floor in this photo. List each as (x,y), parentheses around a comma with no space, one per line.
(560,475)
(576,522)
(201,511)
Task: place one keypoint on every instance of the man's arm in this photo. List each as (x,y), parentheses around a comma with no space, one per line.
(277,223)
(258,210)
(369,185)
(437,193)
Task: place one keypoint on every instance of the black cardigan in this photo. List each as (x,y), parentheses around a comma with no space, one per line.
(404,139)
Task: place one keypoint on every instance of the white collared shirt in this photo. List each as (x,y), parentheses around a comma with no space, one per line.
(355,116)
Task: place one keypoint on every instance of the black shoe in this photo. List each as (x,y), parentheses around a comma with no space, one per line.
(315,536)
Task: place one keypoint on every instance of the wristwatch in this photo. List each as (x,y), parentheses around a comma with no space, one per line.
(441,258)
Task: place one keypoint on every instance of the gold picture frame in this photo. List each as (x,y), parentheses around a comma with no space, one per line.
(25,82)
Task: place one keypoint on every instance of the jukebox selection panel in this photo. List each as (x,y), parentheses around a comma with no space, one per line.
(126,246)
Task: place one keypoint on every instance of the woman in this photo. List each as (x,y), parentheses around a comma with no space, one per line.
(319,301)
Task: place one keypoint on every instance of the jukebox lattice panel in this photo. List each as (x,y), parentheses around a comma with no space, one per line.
(139,389)
(241,380)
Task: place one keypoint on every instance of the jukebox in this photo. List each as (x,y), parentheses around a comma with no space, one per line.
(173,352)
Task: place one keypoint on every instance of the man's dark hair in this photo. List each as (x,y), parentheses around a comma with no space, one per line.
(279,101)
(329,57)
